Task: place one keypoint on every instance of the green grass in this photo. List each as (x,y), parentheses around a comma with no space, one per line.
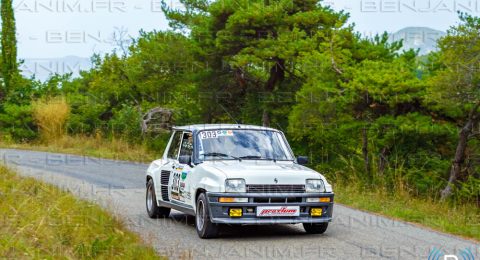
(462,220)
(42,222)
(90,146)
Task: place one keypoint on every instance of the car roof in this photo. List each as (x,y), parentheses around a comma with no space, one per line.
(200,127)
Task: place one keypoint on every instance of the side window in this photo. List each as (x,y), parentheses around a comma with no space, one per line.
(173,152)
(187,144)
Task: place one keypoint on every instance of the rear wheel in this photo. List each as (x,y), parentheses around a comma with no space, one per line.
(205,228)
(153,210)
(315,228)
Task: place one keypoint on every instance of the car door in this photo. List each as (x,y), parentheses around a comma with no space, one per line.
(180,185)
(167,170)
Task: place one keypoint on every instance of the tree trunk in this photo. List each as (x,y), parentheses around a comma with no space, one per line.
(277,75)
(365,150)
(460,152)
(266,118)
(383,160)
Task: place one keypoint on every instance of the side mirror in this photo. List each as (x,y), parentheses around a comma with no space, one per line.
(302,160)
(185,159)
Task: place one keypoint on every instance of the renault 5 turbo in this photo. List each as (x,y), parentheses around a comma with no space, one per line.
(236,174)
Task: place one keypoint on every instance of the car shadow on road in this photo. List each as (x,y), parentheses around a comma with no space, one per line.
(181,218)
(247,231)
(259,231)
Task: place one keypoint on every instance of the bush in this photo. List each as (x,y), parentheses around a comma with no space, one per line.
(50,115)
(17,123)
(157,142)
(86,113)
(126,123)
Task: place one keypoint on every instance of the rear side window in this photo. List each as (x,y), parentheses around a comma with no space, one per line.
(175,146)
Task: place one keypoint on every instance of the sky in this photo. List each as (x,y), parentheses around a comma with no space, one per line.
(49,29)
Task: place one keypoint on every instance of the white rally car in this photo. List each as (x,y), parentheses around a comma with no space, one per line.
(236,174)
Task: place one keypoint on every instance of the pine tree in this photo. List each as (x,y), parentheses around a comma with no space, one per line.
(252,46)
(9,46)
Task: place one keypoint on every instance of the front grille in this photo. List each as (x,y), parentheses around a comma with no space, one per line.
(282,200)
(260,188)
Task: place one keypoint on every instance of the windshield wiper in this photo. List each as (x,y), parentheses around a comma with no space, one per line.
(222,155)
(257,157)
(250,157)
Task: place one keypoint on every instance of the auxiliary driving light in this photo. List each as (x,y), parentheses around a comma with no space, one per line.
(316,212)
(235,212)
(232,200)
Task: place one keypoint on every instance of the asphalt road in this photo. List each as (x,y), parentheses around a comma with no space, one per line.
(120,187)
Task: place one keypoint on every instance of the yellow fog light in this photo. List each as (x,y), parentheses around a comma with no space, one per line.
(234,212)
(316,212)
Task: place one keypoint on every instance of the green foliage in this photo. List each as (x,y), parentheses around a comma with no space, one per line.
(16,122)
(157,142)
(364,111)
(409,148)
(254,48)
(113,96)
(454,85)
(454,94)
(376,88)
(9,65)
(417,145)
(469,188)
(126,122)
(86,114)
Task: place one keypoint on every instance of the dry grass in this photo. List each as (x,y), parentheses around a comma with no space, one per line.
(51,115)
(91,146)
(40,221)
(462,220)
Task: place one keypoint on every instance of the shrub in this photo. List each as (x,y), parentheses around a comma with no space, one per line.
(17,123)
(50,116)
(126,123)
(85,115)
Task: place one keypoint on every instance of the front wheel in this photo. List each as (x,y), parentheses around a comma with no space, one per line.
(153,210)
(205,228)
(315,228)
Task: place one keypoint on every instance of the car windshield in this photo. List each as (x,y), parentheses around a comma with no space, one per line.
(239,144)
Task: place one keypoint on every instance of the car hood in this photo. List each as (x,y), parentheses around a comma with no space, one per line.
(265,172)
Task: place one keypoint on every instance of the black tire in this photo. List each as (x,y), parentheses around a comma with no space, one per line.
(315,228)
(153,210)
(205,228)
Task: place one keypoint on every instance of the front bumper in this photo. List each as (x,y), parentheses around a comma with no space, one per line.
(219,211)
